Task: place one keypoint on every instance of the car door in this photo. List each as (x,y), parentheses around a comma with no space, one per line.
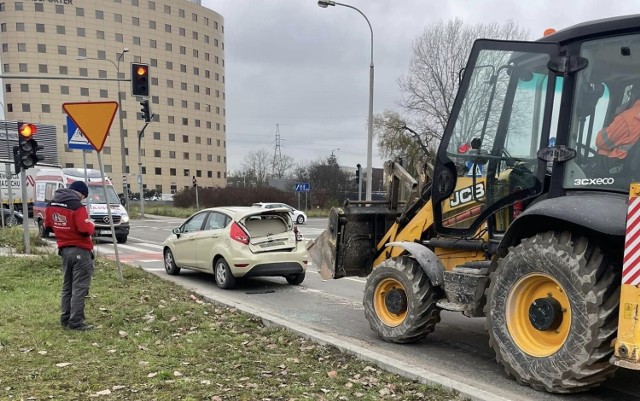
(210,239)
(185,243)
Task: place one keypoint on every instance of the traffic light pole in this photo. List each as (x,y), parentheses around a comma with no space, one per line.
(25,213)
(140,135)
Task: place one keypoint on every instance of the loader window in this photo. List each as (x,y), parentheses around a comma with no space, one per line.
(605,128)
(497,134)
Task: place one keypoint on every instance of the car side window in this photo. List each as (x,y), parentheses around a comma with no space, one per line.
(217,221)
(194,223)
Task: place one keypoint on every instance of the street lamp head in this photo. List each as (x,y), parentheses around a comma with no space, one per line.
(326,3)
(125,50)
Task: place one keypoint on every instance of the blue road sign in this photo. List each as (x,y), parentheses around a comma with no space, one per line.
(75,137)
(302,187)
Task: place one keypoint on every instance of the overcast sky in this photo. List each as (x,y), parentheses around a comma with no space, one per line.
(304,69)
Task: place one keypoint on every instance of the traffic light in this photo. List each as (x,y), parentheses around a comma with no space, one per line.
(146,112)
(139,79)
(358,167)
(25,155)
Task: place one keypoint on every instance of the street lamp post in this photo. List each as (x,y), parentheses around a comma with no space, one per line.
(325,4)
(125,191)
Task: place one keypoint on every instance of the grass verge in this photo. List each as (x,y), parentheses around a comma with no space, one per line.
(157,341)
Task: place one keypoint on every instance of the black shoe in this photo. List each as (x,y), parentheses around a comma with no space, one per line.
(82,327)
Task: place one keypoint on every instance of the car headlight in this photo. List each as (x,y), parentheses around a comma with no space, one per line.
(124,218)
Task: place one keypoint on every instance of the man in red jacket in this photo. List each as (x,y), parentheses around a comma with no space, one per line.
(73,228)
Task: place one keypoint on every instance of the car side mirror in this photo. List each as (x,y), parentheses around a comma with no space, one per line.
(176,231)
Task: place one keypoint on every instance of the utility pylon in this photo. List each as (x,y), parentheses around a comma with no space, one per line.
(277,153)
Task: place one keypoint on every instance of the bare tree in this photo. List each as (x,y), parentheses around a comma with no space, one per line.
(431,84)
(282,164)
(257,165)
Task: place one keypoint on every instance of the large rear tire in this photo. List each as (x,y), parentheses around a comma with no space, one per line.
(400,302)
(552,313)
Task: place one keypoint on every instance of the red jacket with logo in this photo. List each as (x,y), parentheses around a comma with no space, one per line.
(69,219)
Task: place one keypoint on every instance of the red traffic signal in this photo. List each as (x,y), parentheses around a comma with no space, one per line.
(139,79)
(27,130)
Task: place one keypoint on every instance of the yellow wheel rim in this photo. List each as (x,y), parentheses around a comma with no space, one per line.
(532,340)
(380,294)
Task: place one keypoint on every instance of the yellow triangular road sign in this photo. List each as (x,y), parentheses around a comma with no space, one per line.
(93,119)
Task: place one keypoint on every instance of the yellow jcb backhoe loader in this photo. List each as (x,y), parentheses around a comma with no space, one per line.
(527,220)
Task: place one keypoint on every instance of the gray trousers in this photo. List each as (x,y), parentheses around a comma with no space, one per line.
(77,269)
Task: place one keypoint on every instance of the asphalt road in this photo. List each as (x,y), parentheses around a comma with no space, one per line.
(458,349)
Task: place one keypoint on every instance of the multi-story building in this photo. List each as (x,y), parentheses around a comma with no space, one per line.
(59,51)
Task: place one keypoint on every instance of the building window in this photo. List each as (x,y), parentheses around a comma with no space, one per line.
(172,137)
(171,120)
(44,88)
(100,35)
(83,72)
(158,170)
(80,32)
(43,68)
(172,171)
(63,69)
(156,136)
(79,12)
(106,150)
(209,158)
(136,40)
(102,54)
(119,37)
(22,47)
(167,9)
(209,174)
(42,48)
(135,21)
(183,50)
(59,9)
(185,155)
(183,86)
(152,5)
(39,27)
(26,107)
(181,13)
(62,49)
(99,14)
(157,153)
(169,83)
(186,172)
(39,7)
(169,65)
(104,93)
(195,35)
(196,54)
(172,154)
(168,47)
(182,32)
(206,39)
(64,90)
(117,17)
(153,44)
(185,121)
(183,68)
(152,25)
(170,101)
(60,29)
(24,87)
(108,168)
(82,52)
(167,27)
(84,91)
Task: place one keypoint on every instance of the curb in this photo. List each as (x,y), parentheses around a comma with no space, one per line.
(389,364)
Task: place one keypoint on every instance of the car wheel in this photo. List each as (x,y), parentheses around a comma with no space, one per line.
(42,230)
(11,221)
(300,219)
(295,279)
(121,239)
(170,263)
(222,272)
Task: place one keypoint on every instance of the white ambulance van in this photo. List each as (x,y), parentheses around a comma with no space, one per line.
(48,180)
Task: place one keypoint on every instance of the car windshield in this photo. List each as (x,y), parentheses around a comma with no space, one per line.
(97,194)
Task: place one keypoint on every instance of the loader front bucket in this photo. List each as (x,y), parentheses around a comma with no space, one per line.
(348,246)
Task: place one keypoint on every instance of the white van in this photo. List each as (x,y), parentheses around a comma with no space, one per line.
(49,180)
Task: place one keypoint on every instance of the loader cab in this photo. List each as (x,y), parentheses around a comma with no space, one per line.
(528,124)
